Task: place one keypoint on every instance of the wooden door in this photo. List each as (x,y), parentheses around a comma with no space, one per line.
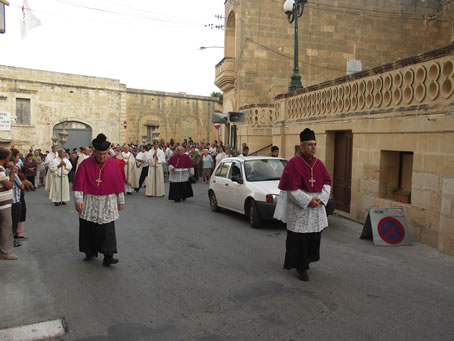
(342,182)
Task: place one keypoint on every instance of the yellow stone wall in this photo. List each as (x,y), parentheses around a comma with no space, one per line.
(260,40)
(57,97)
(103,104)
(405,106)
(179,116)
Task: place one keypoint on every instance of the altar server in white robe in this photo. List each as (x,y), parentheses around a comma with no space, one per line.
(49,157)
(132,179)
(59,169)
(155,179)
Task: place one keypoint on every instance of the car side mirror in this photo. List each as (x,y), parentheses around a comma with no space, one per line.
(237,178)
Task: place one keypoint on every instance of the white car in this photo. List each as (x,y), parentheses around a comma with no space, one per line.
(247,185)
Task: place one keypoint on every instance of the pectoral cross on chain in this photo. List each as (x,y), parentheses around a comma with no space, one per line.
(98,181)
(312,181)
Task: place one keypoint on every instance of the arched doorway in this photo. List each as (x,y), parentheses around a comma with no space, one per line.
(79,134)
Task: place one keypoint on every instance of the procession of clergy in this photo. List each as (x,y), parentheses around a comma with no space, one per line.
(133,167)
(101,180)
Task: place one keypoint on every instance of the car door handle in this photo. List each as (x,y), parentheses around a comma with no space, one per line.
(226,185)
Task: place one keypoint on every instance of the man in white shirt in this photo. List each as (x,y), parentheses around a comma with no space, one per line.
(142,164)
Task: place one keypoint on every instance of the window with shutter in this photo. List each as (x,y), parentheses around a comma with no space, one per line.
(23,115)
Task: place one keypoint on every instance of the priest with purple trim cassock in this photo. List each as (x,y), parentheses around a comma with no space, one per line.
(305,189)
(99,196)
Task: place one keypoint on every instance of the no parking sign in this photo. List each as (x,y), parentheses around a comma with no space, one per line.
(387,227)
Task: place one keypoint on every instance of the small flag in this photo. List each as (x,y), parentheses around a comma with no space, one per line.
(29,20)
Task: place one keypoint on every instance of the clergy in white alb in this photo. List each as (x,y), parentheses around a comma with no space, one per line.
(155,180)
(305,189)
(131,172)
(59,169)
(82,156)
(49,157)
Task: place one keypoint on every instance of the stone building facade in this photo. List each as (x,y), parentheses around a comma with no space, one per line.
(381,129)
(41,103)
(390,126)
(258,54)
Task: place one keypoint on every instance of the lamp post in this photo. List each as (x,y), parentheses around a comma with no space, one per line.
(155,134)
(294,9)
(54,140)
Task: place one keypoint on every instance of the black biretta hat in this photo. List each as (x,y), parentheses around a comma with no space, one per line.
(100,143)
(307,135)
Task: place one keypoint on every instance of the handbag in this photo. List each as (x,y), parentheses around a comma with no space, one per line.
(192,179)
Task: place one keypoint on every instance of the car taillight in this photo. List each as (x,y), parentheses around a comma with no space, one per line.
(269,199)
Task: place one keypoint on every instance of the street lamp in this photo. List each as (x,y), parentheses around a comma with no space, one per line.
(63,134)
(294,10)
(155,134)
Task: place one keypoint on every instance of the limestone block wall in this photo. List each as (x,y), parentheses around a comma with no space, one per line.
(403,107)
(55,98)
(105,105)
(330,33)
(179,115)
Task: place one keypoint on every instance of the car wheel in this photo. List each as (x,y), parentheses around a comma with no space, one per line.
(213,202)
(254,216)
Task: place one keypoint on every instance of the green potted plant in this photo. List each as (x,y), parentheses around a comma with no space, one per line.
(401,194)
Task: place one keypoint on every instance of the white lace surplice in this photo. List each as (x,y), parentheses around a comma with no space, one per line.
(100,209)
(292,208)
(180,174)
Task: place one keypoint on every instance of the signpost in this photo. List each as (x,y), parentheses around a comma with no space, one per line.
(387,227)
(5,121)
(354,65)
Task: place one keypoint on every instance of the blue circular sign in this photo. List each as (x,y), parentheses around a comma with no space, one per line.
(391,230)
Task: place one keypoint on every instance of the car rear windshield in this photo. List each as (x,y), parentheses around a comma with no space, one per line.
(264,170)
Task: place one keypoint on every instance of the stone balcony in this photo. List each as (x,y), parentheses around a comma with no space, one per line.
(408,84)
(259,114)
(225,74)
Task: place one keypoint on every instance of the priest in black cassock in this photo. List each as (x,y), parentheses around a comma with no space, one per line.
(99,196)
(305,189)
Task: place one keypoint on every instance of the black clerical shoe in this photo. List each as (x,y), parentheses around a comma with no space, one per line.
(109,260)
(88,257)
(56,203)
(302,275)
(63,203)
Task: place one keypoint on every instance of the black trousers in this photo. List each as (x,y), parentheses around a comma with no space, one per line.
(94,238)
(302,249)
(16,211)
(143,175)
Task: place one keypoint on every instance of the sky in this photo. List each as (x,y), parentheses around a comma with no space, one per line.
(146,44)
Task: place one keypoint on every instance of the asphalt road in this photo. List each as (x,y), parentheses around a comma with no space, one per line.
(186,273)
